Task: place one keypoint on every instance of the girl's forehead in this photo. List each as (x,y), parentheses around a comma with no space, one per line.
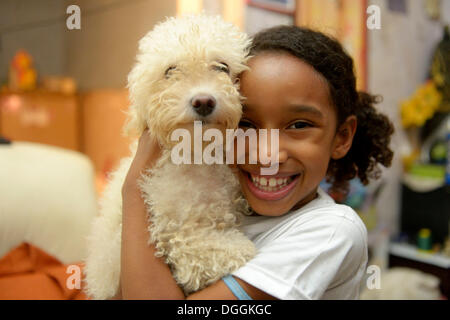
(277,66)
(282,80)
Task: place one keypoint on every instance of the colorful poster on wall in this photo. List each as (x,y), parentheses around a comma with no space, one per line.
(281,6)
(343,19)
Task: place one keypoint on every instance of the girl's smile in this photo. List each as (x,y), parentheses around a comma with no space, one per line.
(283,92)
(271,187)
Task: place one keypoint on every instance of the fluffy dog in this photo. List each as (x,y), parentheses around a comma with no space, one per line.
(186,71)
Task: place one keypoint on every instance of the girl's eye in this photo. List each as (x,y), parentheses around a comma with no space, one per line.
(299,125)
(222,67)
(246,124)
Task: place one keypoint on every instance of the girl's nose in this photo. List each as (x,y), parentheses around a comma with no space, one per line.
(282,157)
(272,151)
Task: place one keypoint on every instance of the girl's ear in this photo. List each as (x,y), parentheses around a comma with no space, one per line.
(344,138)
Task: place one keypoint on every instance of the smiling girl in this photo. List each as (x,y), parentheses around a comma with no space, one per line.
(302,83)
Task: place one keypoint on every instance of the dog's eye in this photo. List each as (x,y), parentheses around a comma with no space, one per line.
(167,72)
(222,67)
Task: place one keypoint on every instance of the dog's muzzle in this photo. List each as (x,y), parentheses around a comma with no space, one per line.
(203,104)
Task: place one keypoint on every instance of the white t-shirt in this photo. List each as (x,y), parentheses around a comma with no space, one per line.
(316,252)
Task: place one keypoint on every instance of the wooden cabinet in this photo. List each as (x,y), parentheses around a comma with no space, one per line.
(103,118)
(41,117)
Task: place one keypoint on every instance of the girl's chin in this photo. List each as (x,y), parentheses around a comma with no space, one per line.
(264,210)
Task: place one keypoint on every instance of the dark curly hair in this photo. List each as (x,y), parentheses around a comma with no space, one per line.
(327,56)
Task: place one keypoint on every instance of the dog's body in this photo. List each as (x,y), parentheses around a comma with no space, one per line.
(186,71)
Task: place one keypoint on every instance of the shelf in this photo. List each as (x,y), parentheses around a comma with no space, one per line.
(411,252)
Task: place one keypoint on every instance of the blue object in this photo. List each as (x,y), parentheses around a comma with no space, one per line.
(234,286)
(356,196)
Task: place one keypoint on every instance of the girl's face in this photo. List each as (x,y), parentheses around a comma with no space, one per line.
(282,92)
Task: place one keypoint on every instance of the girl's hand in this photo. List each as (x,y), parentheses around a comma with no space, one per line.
(148,152)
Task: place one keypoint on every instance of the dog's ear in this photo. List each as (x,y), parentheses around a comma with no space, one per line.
(134,126)
(135,123)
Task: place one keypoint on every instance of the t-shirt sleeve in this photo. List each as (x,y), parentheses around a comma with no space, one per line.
(307,259)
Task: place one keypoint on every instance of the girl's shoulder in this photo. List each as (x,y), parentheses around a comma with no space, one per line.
(327,212)
(327,216)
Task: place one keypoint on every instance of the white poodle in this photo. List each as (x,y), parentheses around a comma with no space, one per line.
(186,71)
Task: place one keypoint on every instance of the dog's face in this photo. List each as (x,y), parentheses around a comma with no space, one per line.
(187,70)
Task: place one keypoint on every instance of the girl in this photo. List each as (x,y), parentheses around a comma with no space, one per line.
(302,83)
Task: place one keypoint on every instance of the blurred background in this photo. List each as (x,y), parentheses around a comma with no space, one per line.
(63,72)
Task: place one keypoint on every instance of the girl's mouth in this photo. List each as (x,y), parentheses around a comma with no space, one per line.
(270,187)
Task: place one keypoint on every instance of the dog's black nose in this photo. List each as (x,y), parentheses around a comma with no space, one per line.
(203,104)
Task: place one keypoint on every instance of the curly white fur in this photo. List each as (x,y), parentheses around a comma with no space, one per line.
(194,210)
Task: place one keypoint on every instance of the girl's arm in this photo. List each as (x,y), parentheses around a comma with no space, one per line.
(144,276)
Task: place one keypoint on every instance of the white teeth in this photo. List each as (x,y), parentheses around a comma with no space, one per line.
(263,181)
(272,182)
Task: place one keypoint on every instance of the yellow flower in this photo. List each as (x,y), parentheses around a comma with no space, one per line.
(421,106)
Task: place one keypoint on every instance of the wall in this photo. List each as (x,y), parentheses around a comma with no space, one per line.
(257,19)
(102,53)
(36,26)
(399,59)
(99,55)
